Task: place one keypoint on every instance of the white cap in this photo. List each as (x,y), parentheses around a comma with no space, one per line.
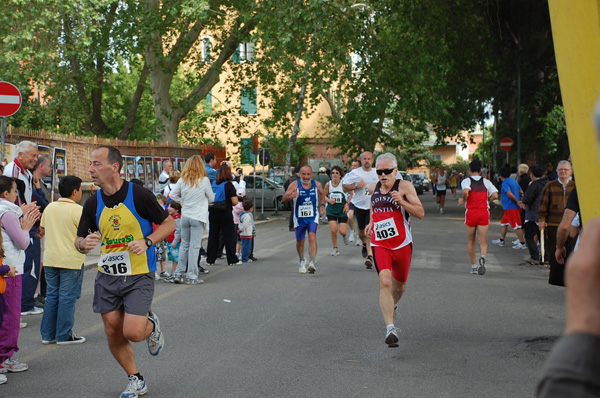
(322,170)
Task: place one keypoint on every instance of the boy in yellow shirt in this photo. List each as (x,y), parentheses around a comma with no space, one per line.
(63,264)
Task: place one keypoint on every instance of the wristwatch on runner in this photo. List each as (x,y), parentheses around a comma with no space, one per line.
(148,242)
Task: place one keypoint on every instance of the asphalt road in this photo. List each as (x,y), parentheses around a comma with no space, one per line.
(264,330)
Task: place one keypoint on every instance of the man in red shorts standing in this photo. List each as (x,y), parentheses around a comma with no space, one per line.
(476,194)
(392,203)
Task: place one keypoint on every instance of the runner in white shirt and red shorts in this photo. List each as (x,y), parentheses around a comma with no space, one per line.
(393,202)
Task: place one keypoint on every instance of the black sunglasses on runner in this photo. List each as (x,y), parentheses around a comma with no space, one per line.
(384,171)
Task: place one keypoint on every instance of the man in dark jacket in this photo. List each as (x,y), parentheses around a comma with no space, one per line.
(286,184)
(531,204)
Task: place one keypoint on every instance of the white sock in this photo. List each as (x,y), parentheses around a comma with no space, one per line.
(473,266)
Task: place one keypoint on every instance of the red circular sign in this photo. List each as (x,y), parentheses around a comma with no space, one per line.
(506,144)
(10,99)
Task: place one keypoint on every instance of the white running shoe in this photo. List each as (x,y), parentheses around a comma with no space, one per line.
(311,268)
(156,340)
(335,252)
(391,338)
(516,241)
(350,236)
(441,211)
(498,242)
(135,388)
(302,267)
(346,240)
(474,269)
(521,246)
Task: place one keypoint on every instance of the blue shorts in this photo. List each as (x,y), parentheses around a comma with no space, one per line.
(301,231)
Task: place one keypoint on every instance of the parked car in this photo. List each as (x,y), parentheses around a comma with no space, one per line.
(273,192)
(424,179)
(420,182)
(417,183)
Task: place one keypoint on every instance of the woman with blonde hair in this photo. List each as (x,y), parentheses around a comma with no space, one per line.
(194,193)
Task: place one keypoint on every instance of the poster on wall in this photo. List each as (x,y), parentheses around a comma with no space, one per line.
(47,151)
(148,176)
(60,169)
(129,168)
(139,172)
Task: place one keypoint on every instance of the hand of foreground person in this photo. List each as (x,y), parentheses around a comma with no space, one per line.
(583,282)
(89,242)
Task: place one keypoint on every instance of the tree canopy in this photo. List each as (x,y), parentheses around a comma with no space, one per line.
(389,70)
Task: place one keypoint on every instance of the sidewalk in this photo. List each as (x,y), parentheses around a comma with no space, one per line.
(92,257)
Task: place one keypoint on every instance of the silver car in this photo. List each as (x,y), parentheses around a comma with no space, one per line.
(273,192)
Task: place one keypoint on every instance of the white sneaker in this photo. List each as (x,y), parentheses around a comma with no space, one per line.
(3,378)
(498,242)
(34,311)
(516,241)
(391,338)
(302,267)
(350,236)
(473,269)
(441,211)
(311,268)
(521,246)
(346,240)
(135,388)
(156,340)
(335,252)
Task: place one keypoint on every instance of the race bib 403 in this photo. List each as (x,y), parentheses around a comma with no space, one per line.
(115,263)
(385,229)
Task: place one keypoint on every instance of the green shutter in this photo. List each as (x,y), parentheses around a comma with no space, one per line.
(248,101)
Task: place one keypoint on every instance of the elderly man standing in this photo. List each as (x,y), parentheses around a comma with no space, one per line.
(163,178)
(20,169)
(552,207)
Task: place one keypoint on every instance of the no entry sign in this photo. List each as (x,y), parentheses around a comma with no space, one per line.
(506,144)
(10,99)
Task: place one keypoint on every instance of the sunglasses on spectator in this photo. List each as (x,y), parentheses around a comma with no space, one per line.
(384,171)
(335,172)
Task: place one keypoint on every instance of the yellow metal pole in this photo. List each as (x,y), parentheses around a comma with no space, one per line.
(576,34)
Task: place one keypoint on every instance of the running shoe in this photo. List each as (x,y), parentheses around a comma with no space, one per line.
(481,269)
(156,276)
(202,270)
(346,239)
(474,269)
(14,366)
(178,279)
(156,340)
(351,235)
(22,325)
(135,388)
(520,246)
(441,211)
(516,241)
(3,379)
(170,278)
(391,338)
(369,262)
(311,268)
(164,275)
(335,252)
(46,342)
(73,339)
(33,311)
(498,242)
(238,263)
(189,281)
(364,251)
(302,267)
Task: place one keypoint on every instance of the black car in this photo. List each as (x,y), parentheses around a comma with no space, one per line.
(417,182)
